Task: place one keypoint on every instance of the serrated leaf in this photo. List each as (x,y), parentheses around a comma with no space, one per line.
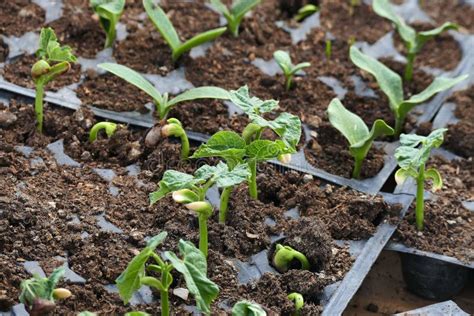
(224,144)
(162,23)
(246,308)
(251,105)
(263,149)
(435,176)
(200,93)
(239,174)
(51,50)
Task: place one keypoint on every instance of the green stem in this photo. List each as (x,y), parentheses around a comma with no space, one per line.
(420,204)
(184,146)
(328,49)
(224,204)
(249,131)
(203,242)
(111,34)
(288,83)
(39,106)
(357,168)
(165,303)
(253,179)
(409,67)
(398,125)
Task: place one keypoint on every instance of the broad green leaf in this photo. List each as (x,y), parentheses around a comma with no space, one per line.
(193,267)
(134,78)
(220,7)
(423,37)
(435,176)
(200,93)
(109,12)
(251,105)
(241,7)
(288,127)
(246,308)
(137,314)
(172,181)
(163,24)
(224,144)
(299,67)
(233,177)
(263,149)
(38,287)
(284,61)
(384,9)
(198,40)
(51,50)
(129,280)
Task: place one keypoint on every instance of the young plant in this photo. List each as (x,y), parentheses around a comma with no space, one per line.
(306,11)
(412,161)
(54,61)
(175,128)
(109,128)
(391,84)
(414,41)
(167,30)
(246,308)
(109,12)
(283,60)
(191,190)
(328,49)
(356,132)
(298,300)
(284,256)
(192,266)
(236,13)
(38,294)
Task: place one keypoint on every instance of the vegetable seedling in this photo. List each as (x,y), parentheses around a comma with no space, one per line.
(284,256)
(175,128)
(391,84)
(192,266)
(108,127)
(412,161)
(414,41)
(109,12)
(54,61)
(283,60)
(191,190)
(39,294)
(236,13)
(167,30)
(247,308)
(298,300)
(328,49)
(356,132)
(306,11)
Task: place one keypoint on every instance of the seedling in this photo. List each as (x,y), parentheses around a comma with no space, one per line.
(246,308)
(356,132)
(412,161)
(306,11)
(414,41)
(39,294)
(109,128)
(190,190)
(391,84)
(283,60)
(175,128)
(328,49)
(298,300)
(167,30)
(54,61)
(109,12)
(192,266)
(284,256)
(236,13)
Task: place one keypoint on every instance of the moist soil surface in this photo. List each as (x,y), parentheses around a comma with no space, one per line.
(459,12)
(52,213)
(460,136)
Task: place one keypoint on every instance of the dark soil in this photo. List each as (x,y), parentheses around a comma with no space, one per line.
(3,51)
(460,136)
(20,16)
(456,11)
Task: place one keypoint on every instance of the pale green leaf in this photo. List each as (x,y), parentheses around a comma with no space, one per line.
(246,308)
(198,40)
(162,23)
(402,174)
(349,124)
(200,93)
(435,176)
(136,314)
(423,37)
(284,61)
(220,7)
(299,67)
(51,50)
(251,105)
(233,177)
(241,7)
(172,181)
(384,9)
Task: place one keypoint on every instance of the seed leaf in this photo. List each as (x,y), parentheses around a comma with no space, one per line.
(283,60)
(172,181)
(109,12)
(423,37)
(136,314)
(246,308)
(236,13)
(384,9)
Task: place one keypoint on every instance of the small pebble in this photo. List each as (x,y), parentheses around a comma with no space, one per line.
(7,118)
(181,293)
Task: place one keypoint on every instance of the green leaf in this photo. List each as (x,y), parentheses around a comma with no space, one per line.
(349,124)
(306,11)
(51,50)
(220,7)
(299,67)
(172,181)
(246,308)
(129,280)
(237,175)
(198,40)
(109,12)
(200,93)
(40,288)
(251,105)
(402,174)
(263,149)
(423,37)
(137,314)
(193,267)
(435,176)
(133,77)
(241,7)
(224,144)
(284,61)
(163,24)
(384,9)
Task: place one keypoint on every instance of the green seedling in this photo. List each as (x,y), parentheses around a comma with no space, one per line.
(284,256)
(167,30)
(108,127)
(236,13)
(283,60)
(191,190)
(175,128)
(246,308)
(356,132)
(328,49)
(412,155)
(414,41)
(39,294)
(109,12)
(306,11)
(192,266)
(54,61)
(391,84)
(298,300)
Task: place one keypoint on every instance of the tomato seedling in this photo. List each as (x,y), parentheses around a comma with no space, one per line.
(283,60)
(235,13)
(109,12)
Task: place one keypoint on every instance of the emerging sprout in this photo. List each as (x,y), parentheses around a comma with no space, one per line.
(356,132)
(412,161)
(109,12)
(328,49)
(306,11)
(289,70)
(192,266)
(236,13)
(298,300)
(167,30)
(191,190)
(38,294)
(246,308)
(413,41)
(391,84)
(54,61)
(109,128)
(284,256)
(175,128)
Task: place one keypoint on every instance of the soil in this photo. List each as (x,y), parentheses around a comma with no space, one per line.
(456,11)
(20,16)
(460,136)
(3,51)
(448,223)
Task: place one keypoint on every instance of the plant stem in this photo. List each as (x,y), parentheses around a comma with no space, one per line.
(420,203)
(111,34)
(357,168)
(164,299)
(39,106)
(184,146)
(328,49)
(253,179)
(398,125)
(165,303)
(409,67)
(288,83)
(203,242)
(224,204)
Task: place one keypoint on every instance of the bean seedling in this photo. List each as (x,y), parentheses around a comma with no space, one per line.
(109,12)
(246,308)
(391,84)
(298,300)
(356,132)
(108,127)
(306,11)
(412,161)
(192,266)
(285,256)
(191,190)
(414,41)
(167,30)
(283,60)
(236,13)
(54,61)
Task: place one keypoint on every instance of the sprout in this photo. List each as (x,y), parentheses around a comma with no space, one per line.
(412,160)
(284,256)
(109,12)
(109,128)
(356,132)
(298,300)
(289,70)
(306,11)
(391,84)
(54,61)
(247,308)
(414,41)
(175,128)
(192,266)
(328,49)
(236,13)
(167,30)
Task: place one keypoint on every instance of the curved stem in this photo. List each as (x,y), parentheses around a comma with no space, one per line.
(224,206)
(408,76)
(184,146)
(420,205)
(357,168)
(39,106)
(253,179)
(107,126)
(203,242)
